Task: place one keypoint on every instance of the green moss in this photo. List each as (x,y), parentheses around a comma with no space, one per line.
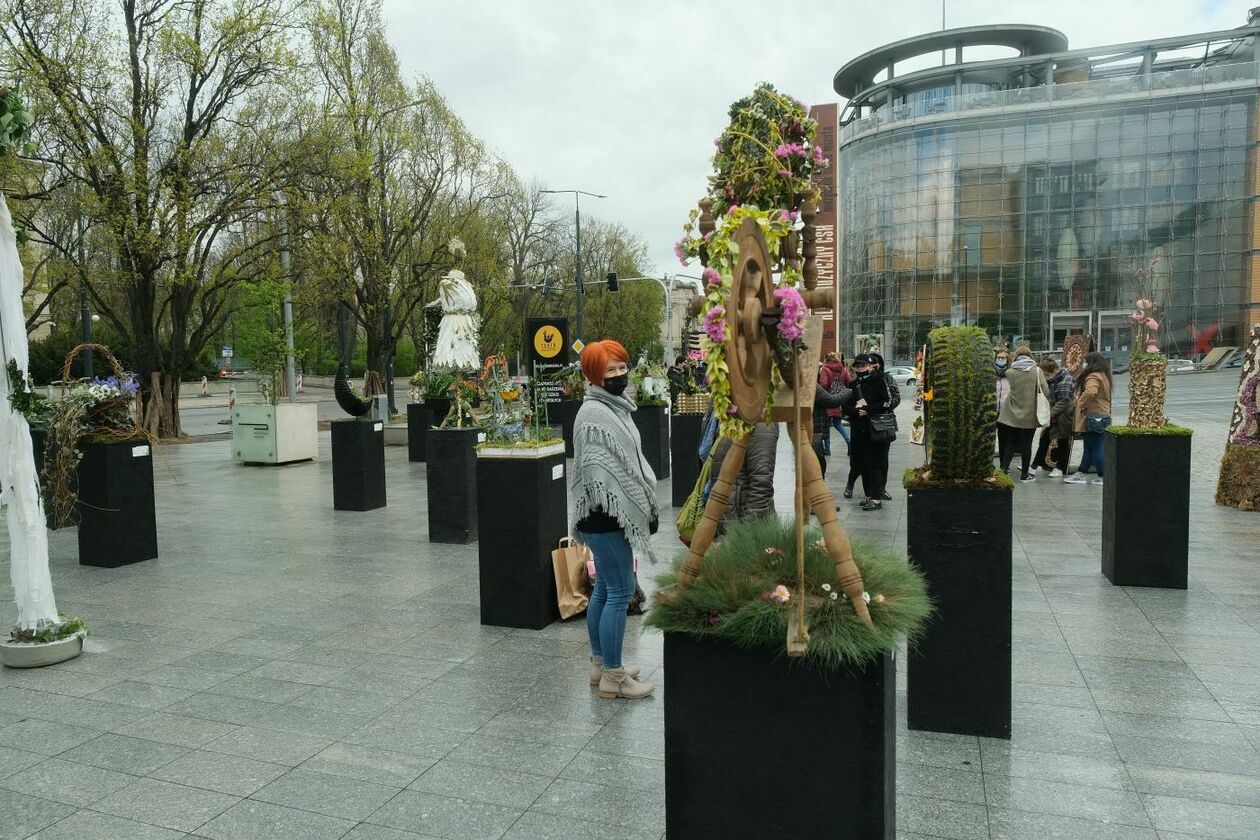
(922,477)
(725,601)
(1166,430)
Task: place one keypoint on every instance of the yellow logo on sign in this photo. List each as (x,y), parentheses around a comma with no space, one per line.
(547,342)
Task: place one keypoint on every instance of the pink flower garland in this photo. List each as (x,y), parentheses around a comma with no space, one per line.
(792,322)
(715,323)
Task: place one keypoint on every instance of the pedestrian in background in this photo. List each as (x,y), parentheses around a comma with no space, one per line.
(1018,417)
(834,378)
(873,393)
(1093,415)
(1054,450)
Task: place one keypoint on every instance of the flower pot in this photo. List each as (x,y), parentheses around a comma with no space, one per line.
(23,655)
(1146,510)
(522,511)
(758,746)
(684,458)
(117,517)
(275,434)
(958,674)
(653,424)
(358,454)
(451,481)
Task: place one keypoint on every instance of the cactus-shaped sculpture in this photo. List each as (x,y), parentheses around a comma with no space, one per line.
(959,404)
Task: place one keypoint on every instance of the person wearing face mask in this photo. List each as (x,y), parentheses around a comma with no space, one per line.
(874,392)
(1002,389)
(1018,417)
(613,492)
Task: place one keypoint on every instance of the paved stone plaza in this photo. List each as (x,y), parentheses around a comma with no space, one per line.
(287,671)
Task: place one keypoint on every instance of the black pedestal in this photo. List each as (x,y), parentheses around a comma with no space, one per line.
(417,430)
(117,520)
(563,414)
(653,425)
(759,748)
(958,676)
(684,441)
(358,456)
(420,418)
(452,485)
(523,512)
(1146,510)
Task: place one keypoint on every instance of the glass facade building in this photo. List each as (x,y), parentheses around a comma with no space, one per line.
(1039,210)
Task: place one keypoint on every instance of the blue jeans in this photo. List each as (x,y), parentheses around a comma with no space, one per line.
(836,423)
(614,587)
(1093,453)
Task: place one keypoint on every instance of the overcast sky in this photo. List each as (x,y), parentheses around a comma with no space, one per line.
(625,98)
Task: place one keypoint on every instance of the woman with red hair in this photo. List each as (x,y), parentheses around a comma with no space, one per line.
(614,506)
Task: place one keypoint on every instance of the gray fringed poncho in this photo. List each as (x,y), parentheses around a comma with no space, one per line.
(609,469)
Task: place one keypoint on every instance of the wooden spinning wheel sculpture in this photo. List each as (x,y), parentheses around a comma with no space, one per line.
(751,318)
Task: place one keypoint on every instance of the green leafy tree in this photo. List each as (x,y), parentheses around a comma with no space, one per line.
(392,175)
(173,120)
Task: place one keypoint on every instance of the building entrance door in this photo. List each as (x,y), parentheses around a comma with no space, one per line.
(1115,337)
(1063,324)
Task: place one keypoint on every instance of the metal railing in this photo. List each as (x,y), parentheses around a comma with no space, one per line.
(1136,87)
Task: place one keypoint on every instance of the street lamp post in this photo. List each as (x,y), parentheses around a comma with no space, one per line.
(577,269)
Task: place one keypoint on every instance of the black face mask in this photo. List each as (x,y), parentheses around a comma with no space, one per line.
(616,385)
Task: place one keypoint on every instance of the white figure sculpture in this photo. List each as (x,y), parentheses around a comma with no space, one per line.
(28,537)
(459,331)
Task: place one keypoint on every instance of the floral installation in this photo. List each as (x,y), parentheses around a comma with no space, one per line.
(794,313)
(763,165)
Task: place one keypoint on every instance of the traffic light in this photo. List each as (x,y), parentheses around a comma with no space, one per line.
(613,285)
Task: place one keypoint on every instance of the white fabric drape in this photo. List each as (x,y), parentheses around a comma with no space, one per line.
(19,491)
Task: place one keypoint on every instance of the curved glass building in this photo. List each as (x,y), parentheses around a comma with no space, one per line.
(1035,194)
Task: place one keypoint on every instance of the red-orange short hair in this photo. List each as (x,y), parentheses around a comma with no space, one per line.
(597,355)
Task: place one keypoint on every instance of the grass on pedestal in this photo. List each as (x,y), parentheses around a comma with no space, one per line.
(730,599)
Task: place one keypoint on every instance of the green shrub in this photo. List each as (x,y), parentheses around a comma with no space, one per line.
(960,405)
(1166,430)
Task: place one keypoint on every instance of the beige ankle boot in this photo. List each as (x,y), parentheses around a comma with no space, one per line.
(617,682)
(597,666)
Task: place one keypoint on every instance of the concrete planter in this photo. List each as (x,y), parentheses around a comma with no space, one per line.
(23,655)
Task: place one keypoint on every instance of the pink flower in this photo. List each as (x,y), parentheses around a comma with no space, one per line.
(1137,316)
(732,209)
(792,322)
(786,173)
(711,277)
(1152,323)
(732,410)
(785,216)
(1143,303)
(1152,347)
(818,154)
(781,594)
(679,252)
(715,323)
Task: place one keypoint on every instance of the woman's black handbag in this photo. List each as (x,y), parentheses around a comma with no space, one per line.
(883,428)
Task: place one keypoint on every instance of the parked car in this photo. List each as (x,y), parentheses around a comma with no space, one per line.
(1181,366)
(903,375)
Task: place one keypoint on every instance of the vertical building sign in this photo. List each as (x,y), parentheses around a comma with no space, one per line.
(827,181)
